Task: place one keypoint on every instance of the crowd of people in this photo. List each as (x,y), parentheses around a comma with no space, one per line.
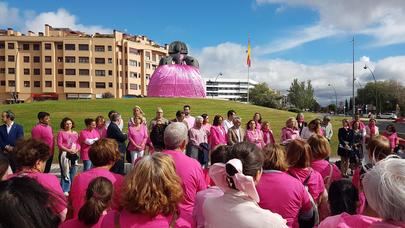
(186,172)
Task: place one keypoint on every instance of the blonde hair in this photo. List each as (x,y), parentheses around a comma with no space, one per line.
(379,148)
(153,187)
(274,158)
(289,121)
(319,146)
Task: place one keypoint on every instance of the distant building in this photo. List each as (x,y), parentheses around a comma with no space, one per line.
(64,64)
(228,89)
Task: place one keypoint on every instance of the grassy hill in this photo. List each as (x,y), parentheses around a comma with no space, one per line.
(78,110)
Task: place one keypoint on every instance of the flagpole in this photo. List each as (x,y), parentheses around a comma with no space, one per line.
(248,85)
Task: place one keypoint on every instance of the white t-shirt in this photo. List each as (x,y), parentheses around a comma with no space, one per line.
(227,124)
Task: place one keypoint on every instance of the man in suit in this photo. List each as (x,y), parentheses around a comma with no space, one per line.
(114,132)
(236,134)
(10,132)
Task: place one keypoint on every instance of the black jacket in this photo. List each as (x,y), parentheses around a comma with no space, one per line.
(114,132)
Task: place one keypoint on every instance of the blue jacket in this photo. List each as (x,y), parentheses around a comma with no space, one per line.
(16,132)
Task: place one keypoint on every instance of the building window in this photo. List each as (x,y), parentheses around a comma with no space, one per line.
(1,45)
(110,84)
(37,71)
(83,59)
(154,57)
(99,60)
(37,59)
(37,84)
(48,71)
(99,48)
(84,84)
(11,70)
(48,46)
(70,59)
(132,74)
(70,72)
(100,72)
(10,45)
(60,71)
(147,76)
(2,83)
(147,55)
(84,72)
(26,71)
(148,66)
(83,47)
(2,70)
(11,83)
(48,84)
(35,47)
(2,58)
(110,72)
(133,86)
(27,84)
(133,63)
(26,47)
(59,46)
(48,59)
(109,48)
(154,67)
(60,83)
(26,59)
(100,85)
(11,58)
(70,84)
(109,60)
(60,59)
(70,47)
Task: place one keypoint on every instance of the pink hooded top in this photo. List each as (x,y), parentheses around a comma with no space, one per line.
(84,139)
(347,220)
(256,137)
(44,133)
(288,134)
(268,137)
(82,181)
(191,174)
(283,194)
(325,169)
(315,183)
(139,136)
(217,136)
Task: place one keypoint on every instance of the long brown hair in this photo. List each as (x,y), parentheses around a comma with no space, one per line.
(299,154)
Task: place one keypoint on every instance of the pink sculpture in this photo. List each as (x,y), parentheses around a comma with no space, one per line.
(178,75)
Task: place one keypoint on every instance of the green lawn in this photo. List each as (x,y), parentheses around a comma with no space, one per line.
(78,110)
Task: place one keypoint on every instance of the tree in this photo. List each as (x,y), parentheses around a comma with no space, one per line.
(301,95)
(347,107)
(262,95)
(332,108)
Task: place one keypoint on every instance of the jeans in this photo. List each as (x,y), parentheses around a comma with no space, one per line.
(48,164)
(86,165)
(135,155)
(67,182)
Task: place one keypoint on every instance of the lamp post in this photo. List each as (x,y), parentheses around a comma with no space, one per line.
(219,74)
(375,82)
(335,94)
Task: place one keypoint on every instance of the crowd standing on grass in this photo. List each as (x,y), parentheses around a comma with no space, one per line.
(191,172)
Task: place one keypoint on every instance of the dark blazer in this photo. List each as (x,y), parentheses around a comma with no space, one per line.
(233,137)
(16,132)
(114,132)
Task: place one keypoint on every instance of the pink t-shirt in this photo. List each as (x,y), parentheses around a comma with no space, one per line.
(288,134)
(283,194)
(217,136)
(44,133)
(324,168)
(68,139)
(102,132)
(385,224)
(75,223)
(346,220)
(201,196)
(393,138)
(51,183)
(315,183)
(84,147)
(82,181)
(362,196)
(140,137)
(255,137)
(197,136)
(191,174)
(190,121)
(207,128)
(131,220)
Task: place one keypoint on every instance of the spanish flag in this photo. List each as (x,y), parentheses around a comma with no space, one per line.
(248,60)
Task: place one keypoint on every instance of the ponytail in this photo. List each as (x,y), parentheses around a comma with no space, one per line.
(98,199)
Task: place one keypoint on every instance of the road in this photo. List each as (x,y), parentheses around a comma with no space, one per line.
(383,123)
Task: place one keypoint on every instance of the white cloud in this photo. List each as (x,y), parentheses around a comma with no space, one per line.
(382,20)
(29,20)
(230,59)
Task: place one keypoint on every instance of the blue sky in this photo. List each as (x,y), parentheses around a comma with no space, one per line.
(290,38)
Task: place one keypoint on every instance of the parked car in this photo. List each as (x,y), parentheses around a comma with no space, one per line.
(387,116)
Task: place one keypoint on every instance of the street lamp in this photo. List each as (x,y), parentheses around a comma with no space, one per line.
(335,94)
(375,82)
(212,93)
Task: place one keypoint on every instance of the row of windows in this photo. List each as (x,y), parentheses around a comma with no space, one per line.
(59,46)
(68,59)
(48,71)
(68,84)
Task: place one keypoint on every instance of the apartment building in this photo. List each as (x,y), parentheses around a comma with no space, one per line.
(228,88)
(65,64)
